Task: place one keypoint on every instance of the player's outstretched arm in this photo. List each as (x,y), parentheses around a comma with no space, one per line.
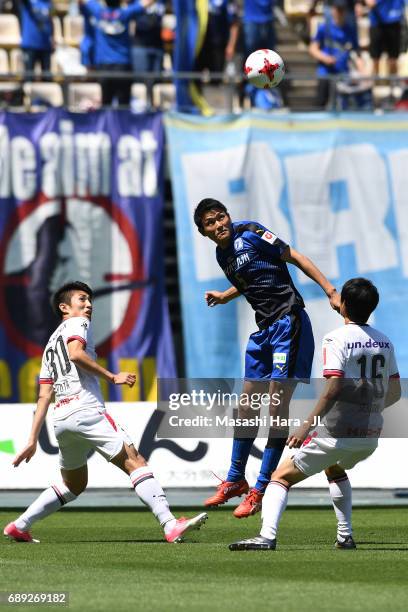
(325,403)
(78,355)
(43,403)
(221,297)
(307,266)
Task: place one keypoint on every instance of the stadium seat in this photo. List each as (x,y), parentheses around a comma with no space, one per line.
(138,95)
(58,37)
(68,60)
(17,66)
(9,31)
(84,96)
(296,8)
(403,65)
(164,96)
(363,27)
(4,62)
(16,61)
(73,29)
(314,24)
(167,62)
(49,93)
(11,95)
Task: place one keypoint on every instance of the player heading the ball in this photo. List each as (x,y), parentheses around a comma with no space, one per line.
(280,352)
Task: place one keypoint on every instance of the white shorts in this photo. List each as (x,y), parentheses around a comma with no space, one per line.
(86,430)
(321,453)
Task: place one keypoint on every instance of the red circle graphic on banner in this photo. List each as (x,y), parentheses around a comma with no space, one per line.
(131,278)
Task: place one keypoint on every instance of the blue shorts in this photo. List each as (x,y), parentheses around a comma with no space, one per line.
(285,349)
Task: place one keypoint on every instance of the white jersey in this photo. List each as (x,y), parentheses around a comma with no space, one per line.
(75,388)
(358,351)
(365,358)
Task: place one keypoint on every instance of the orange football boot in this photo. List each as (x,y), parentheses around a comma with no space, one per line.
(226,490)
(250,505)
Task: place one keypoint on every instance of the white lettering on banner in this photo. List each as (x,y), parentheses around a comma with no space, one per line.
(4,162)
(130,162)
(137,173)
(149,148)
(93,161)
(399,178)
(67,158)
(77,164)
(23,161)
(50,148)
(319,230)
(211,173)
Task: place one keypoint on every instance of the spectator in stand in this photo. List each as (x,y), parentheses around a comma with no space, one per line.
(385,32)
(354,10)
(221,37)
(147,45)
(36,34)
(112,44)
(331,47)
(258,25)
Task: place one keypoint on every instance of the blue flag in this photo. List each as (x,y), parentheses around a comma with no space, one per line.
(192,19)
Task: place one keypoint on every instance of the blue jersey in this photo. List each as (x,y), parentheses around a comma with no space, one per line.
(387,11)
(148,30)
(36,24)
(258,11)
(252,263)
(221,14)
(337,41)
(111,31)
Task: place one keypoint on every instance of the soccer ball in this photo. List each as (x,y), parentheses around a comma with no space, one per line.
(264,68)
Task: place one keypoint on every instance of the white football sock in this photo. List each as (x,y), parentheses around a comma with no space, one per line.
(340,492)
(50,500)
(151,494)
(273,504)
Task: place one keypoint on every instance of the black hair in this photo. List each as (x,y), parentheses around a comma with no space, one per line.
(64,294)
(204,206)
(360,298)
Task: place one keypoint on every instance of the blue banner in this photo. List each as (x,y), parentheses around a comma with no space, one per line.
(81,197)
(333,188)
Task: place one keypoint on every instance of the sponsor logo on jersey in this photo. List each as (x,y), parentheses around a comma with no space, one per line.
(369,344)
(269,237)
(84,324)
(279,357)
(236,264)
(238,244)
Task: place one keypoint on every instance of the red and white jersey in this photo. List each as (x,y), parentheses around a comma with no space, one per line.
(364,358)
(358,351)
(74,388)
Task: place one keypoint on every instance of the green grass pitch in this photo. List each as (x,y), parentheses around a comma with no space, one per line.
(118,561)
